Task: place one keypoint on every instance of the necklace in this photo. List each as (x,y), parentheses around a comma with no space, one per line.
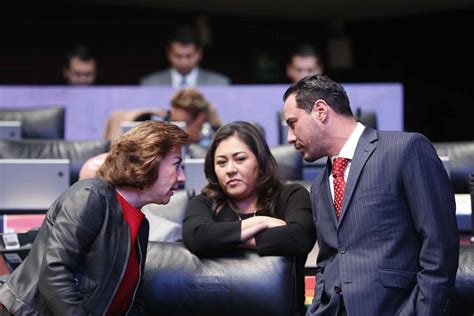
(232,206)
(240,218)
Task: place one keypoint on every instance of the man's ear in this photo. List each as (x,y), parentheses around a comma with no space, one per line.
(320,110)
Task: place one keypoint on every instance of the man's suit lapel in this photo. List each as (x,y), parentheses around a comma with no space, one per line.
(365,147)
(202,77)
(168,80)
(326,193)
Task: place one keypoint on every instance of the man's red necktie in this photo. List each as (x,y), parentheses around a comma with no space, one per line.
(338,169)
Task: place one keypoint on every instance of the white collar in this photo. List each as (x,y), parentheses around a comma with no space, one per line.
(191,78)
(349,147)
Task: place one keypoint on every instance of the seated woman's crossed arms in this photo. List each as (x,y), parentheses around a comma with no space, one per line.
(246,205)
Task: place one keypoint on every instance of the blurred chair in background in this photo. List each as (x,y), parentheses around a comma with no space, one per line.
(368,118)
(37,122)
(461,159)
(289,161)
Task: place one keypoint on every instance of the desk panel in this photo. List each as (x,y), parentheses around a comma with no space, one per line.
(87,108)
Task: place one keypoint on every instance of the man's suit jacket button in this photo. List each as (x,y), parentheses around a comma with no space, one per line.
(337,289)
(342,250)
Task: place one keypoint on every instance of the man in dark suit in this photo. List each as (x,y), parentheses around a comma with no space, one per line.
(184,53)
(383,208)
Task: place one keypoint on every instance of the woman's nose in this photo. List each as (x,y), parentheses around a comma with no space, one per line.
(181,175)
(230,167)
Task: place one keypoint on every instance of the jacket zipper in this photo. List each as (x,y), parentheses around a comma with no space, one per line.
(139,275)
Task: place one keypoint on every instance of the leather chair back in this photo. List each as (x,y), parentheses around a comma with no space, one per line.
(461,159)
(368,119)
(167,219)
(179,283)
(290,162)
(76,151)
(38,122)
(462,300)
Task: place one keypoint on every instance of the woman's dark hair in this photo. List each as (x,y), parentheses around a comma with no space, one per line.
(268,182)
(135,157)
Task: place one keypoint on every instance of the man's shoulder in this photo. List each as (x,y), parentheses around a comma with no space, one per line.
(399,143)
(211,77)
(158,77)
(400,137)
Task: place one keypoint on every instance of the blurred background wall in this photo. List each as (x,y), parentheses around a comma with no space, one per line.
(425,45)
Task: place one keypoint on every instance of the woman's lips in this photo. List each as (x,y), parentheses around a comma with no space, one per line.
(232,182)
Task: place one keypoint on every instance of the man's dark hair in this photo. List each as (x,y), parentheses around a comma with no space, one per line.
(185,35)
(312,88)
(80,51)
(305,50)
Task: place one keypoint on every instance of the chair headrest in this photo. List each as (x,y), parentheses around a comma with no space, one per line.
(464,285)
(461,159)
(38,122)
(179,283)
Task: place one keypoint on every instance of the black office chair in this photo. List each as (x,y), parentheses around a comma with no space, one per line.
(462,302)
(37,122)
(289,161)
(167,220)
(367,118)
(177,282)
(461,162)
(282,129)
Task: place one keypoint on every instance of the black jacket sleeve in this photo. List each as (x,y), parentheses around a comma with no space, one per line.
(298,236)
(203,235)
(72,231)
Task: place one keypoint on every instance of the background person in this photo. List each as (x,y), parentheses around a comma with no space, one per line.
(184,53)
(188,105)
(383,208)
(304,60)
(246,205)
(80,66)
(90,252)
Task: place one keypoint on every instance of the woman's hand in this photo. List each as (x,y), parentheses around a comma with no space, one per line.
(273,222)
(253,225)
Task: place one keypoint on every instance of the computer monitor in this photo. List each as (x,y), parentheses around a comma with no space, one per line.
(10,129)
(28,185)
(195,177)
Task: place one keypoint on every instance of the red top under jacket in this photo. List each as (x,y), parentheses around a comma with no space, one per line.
(124,295)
